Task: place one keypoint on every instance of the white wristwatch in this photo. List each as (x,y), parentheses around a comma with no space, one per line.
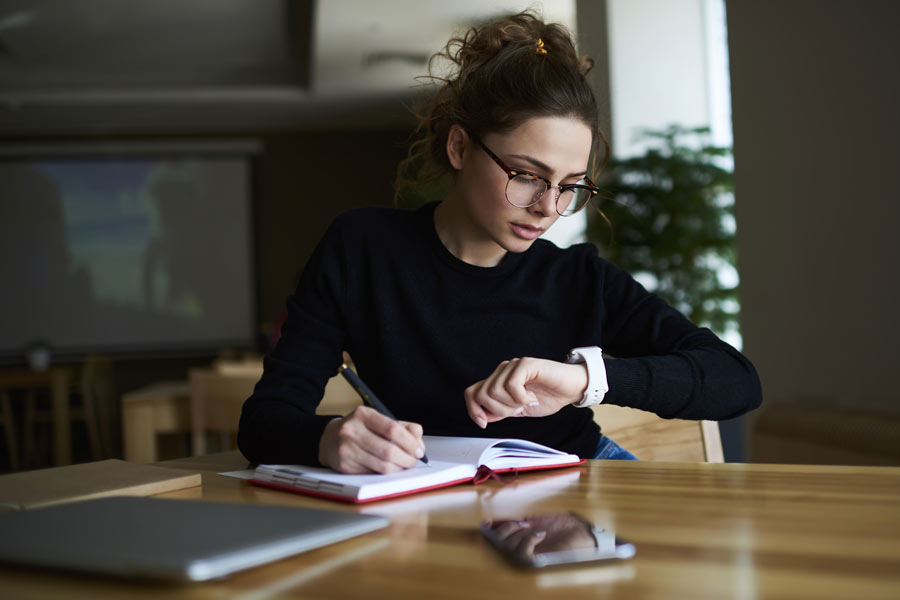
(597,385)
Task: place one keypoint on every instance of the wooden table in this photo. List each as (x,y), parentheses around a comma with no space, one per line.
(701,531)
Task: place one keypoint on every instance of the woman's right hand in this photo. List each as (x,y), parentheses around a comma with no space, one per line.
(366,441)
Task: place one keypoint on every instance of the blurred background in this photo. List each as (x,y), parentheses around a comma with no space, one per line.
(167,168)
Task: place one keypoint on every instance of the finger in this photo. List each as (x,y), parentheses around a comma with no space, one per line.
(373,463)
(352,466)
(495,387)
(416,431)
(494,407)
(506,529)
(520,541)
(378,455)
(413,428)
(476,413)
(507,393)
(351,458)
(529,543)
(367,437)
(516,385)
(483,395)
(390,440)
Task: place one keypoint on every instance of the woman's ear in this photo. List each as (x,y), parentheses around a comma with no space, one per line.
(457,146)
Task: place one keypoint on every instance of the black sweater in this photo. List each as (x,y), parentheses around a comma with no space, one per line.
(421,326)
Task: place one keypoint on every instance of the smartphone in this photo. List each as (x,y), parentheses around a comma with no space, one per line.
(554,539)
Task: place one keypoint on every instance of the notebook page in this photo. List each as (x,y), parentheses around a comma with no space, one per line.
(457,449)
(367,485)
(508,454)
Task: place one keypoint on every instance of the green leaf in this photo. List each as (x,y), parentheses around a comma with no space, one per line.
(670,210)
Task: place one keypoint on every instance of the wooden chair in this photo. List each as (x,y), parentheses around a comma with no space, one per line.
(216,401)
(650,437)
(93,385)
(339,399)
(9,430)
(218,395)
(644,434)
(98,404)
(162,408)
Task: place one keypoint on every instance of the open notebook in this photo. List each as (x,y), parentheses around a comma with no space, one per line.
(453,460)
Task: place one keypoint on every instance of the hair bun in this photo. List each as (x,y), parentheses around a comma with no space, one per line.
(500,75)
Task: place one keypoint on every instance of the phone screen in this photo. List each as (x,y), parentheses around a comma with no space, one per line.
(554,539)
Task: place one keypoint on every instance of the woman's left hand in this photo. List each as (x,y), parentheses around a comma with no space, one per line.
(525,387)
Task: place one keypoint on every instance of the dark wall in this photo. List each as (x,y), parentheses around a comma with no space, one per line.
(815,95)
(304,181)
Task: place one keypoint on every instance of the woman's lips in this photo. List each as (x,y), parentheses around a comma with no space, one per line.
(526,232)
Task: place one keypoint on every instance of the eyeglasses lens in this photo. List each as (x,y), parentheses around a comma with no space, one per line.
(572,200)
(523,191)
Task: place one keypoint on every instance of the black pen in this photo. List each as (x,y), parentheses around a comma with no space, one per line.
(369,396)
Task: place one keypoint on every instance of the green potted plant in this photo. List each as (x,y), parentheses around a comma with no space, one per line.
(667,218)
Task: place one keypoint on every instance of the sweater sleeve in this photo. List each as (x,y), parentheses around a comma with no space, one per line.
(664,363)
(278,422)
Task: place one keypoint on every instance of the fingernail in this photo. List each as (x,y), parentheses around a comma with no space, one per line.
(480,422)
(518,411)
(533,403)
(540,533)
(420,452)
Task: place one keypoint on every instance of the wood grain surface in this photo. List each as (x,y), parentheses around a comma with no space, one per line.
(701,531)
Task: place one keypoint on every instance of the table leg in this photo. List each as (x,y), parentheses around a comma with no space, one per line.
(62,440)
(139,432)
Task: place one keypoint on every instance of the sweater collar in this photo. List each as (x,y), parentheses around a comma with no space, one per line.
(509,262)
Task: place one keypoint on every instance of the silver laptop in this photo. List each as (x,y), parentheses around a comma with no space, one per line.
(156,538)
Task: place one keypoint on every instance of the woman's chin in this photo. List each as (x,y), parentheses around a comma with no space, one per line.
(517,245)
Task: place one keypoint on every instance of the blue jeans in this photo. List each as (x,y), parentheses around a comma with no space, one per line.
(609,450)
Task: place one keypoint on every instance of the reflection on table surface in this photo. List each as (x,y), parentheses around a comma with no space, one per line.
(700,530)
(559,538)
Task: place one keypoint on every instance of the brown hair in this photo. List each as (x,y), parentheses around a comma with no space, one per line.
(501,74)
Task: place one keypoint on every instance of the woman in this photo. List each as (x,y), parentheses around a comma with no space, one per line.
(458,317)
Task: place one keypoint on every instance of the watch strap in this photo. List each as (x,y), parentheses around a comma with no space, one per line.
(592,357)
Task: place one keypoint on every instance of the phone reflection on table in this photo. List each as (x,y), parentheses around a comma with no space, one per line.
(554,539)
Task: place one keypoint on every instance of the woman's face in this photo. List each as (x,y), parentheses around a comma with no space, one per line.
(557,148)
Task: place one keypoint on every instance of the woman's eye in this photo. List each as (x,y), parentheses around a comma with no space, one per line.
(526,179)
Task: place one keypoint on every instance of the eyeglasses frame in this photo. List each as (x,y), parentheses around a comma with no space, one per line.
(511,173)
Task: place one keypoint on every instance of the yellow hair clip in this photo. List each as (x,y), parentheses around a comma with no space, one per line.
(540,47)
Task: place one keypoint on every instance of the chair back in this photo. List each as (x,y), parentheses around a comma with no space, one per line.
(216,401)
(99,405)
(8,423)
(650,437)
(340,398)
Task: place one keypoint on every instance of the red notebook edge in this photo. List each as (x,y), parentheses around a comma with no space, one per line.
(444,484)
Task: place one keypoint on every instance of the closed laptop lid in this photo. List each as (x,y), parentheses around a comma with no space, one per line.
(170,539)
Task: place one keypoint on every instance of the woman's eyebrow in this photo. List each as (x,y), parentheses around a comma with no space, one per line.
(543,166)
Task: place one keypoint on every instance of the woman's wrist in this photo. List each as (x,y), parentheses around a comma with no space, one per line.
(326,442)
(580,380)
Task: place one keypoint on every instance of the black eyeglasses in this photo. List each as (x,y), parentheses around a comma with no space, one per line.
(524,188)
